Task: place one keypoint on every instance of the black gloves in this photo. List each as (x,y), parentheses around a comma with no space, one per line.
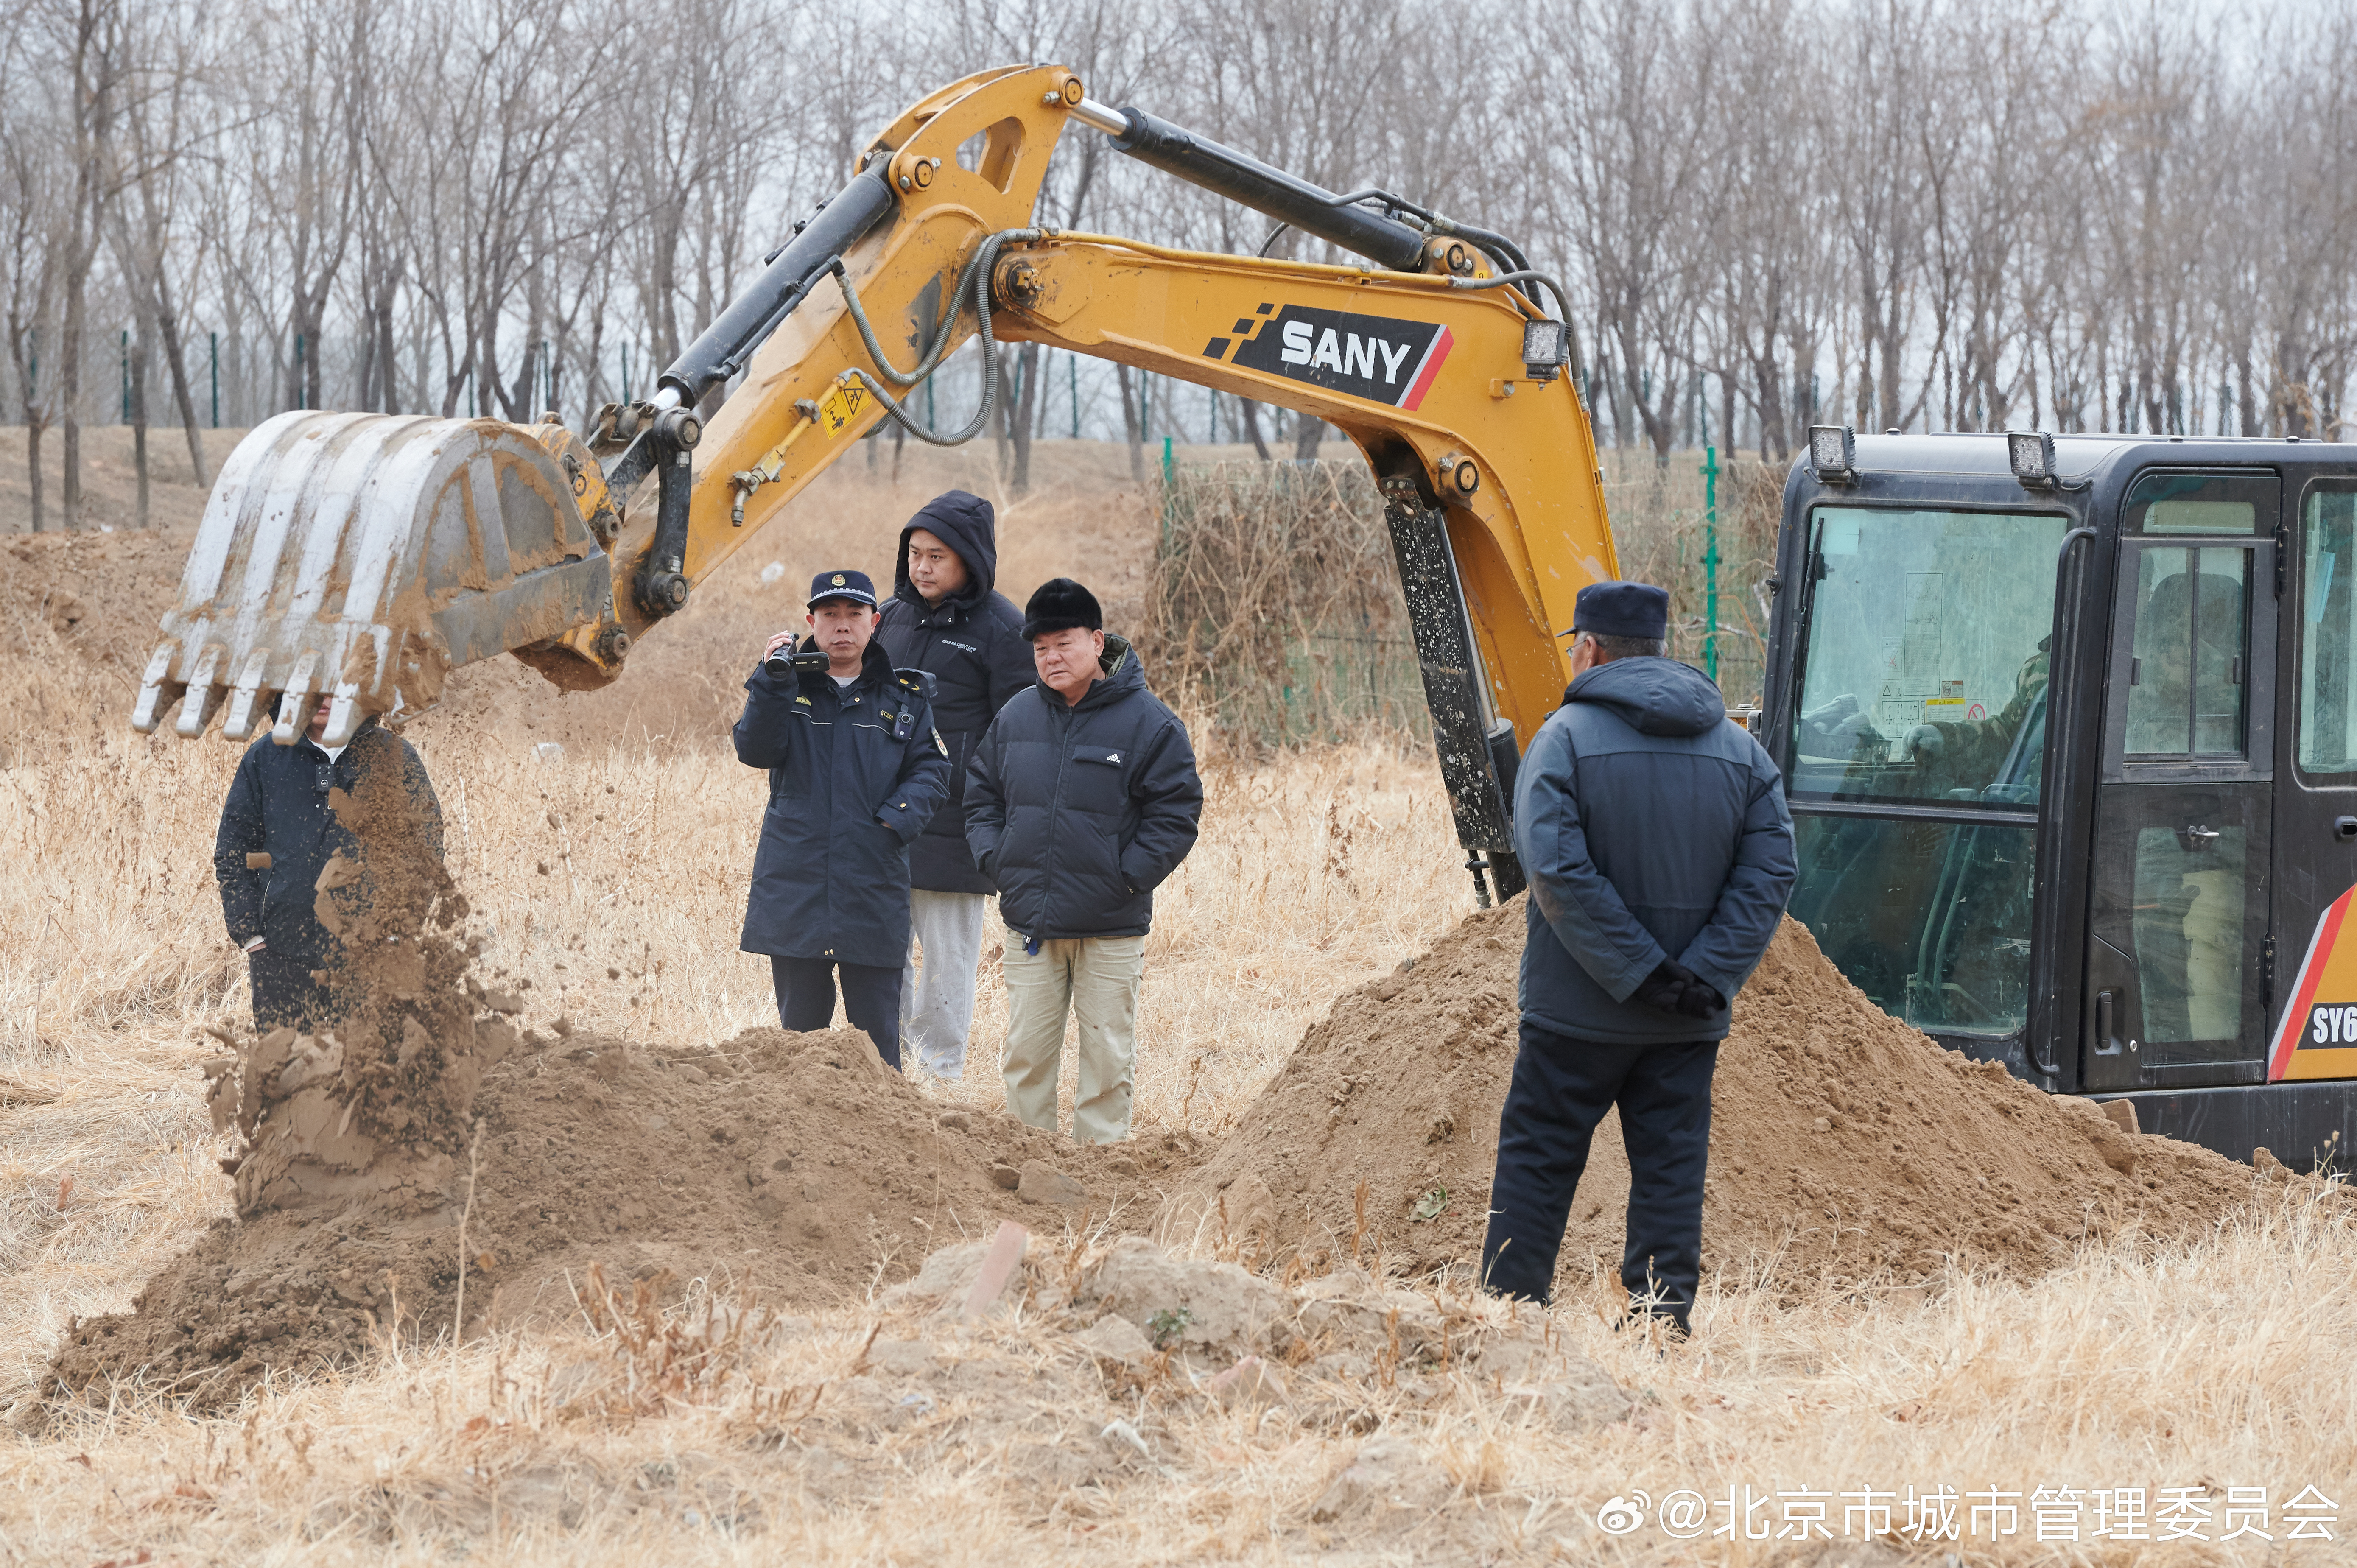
(1674,988)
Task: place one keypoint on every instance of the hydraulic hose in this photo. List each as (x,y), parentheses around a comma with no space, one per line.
(976,279)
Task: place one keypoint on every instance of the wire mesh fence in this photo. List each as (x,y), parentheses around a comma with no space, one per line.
(1275,612)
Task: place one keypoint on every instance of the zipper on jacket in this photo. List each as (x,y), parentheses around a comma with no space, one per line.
(1055,801)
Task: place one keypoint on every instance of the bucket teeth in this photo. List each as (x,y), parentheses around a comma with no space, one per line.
(387,549)
(155,688)
(245,701)
(295,705)
(344,717)
(204,698)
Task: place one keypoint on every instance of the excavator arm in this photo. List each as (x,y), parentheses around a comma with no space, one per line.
(362,555)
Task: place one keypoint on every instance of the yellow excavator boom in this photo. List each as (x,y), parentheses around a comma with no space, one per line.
(363,555)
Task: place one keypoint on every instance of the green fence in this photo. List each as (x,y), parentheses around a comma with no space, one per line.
(1274,610)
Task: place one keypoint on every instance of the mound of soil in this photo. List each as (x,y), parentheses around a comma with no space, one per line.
(1845,1146)
(423,1143)
(795,1167)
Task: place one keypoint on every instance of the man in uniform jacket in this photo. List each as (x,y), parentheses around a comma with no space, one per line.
(855,771)
(1659,851)
(946,618)
(1081,799)
(277,834)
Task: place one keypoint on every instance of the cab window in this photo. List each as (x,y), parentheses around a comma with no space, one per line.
(1926,670)
(2328,631)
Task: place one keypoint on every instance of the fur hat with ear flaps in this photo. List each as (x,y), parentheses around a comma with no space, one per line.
(1059,604)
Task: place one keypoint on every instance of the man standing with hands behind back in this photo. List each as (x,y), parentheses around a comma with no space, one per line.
(1659,851)
(855,771)
(1081,800)
(946,618)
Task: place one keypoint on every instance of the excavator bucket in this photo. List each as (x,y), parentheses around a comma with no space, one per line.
(362,555)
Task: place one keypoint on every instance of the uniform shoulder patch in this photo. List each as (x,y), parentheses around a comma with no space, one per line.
(921,681)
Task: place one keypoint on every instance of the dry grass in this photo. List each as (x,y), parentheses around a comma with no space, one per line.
(2221,1363)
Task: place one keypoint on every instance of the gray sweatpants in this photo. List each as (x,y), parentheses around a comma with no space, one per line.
(937,998)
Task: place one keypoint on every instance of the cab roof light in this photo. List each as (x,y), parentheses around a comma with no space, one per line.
(2031,453)
(1833,454)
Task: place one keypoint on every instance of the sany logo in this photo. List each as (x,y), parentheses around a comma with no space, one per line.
(1377,358)
(1329,349)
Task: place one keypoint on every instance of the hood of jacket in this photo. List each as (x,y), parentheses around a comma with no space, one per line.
(1654,696)
(966,524)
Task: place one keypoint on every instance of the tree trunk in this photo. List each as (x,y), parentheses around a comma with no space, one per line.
(1251,428)
(139,418)
(176,357)
(1129,426)
(1306,434)
(33,463)
(1020,421)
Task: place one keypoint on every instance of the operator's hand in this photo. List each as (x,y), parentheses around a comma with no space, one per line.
(1926,741)
(1842,720)
(783,639)
(1665,988)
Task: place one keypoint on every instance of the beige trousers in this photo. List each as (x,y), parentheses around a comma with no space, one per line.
(1094,979)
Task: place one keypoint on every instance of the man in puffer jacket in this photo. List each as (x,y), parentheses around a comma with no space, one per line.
(1659,851)
(945,617)
(1081,800)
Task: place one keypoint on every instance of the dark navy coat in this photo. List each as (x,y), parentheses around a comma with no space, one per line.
(972,642)
(1649,827)
(854,773)
(1077,812)
(278,806)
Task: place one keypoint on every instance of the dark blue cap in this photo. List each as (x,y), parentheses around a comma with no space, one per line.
(852,586)
(1621,610)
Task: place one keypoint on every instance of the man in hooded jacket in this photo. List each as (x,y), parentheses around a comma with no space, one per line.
(946,617)
(1659,849)
(1081,798)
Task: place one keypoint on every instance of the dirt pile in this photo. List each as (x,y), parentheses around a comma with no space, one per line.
(426,1154)
(794,1167)
(1845,1146)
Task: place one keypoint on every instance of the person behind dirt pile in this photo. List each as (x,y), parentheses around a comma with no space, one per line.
(944,617)
(855,771)
(277,834)
(1659,851)
(1081,799)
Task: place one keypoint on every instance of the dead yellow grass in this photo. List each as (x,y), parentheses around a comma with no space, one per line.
(2218,1364)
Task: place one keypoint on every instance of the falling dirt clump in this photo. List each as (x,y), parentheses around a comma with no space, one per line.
(1845,1146)
(796,1167)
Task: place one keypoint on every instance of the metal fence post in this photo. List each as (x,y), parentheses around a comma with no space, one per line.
(1710,562)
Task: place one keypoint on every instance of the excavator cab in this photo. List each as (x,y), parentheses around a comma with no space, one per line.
(2069,730)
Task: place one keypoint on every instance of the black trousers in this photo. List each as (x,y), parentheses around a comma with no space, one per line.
(285,994)
(1561,1089)
(871,998)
